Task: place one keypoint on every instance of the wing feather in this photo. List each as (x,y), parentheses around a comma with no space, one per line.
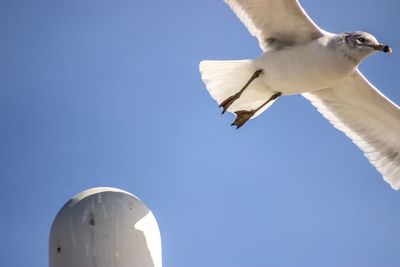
(276,23)
(365,115)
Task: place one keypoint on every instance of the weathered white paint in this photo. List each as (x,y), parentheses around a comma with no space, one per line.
(105,227)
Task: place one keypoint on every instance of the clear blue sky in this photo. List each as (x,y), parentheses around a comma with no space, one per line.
(108,93)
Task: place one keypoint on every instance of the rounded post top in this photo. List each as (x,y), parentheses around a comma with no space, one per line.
(105,226)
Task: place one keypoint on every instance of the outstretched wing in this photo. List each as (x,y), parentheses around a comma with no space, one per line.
(276,23)
(368,118)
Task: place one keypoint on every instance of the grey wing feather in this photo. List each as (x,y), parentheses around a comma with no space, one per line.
(370,119)
(276,23)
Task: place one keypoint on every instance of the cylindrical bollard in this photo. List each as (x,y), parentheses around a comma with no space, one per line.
(105,227)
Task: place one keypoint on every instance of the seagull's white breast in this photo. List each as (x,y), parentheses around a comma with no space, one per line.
(304,68)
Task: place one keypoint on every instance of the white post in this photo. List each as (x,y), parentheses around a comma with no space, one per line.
(105,227)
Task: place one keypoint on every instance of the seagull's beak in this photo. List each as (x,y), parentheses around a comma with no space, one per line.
(382,47)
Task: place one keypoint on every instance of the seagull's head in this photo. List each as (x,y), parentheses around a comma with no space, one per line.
(361,44)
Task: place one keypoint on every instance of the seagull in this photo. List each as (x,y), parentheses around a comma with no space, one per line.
(301,58)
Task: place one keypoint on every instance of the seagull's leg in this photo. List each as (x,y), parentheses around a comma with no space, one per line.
(245,115)
(229,101)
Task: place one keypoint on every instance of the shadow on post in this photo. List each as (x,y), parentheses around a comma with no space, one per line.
(104,227)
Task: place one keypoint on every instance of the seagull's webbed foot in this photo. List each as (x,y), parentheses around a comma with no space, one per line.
(242,117)
(229,101)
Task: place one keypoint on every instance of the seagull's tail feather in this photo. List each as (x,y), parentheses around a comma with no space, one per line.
(225,78)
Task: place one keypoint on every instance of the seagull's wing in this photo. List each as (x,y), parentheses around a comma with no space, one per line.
(371,120)
(276,23)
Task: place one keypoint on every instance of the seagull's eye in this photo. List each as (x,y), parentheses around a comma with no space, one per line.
(361,39)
